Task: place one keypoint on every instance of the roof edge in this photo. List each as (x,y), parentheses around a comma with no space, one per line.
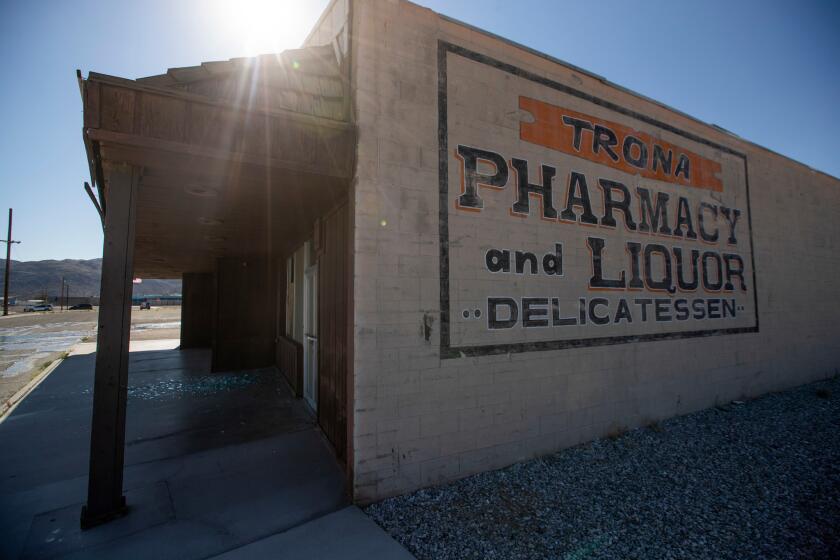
(188,96)
(319,21)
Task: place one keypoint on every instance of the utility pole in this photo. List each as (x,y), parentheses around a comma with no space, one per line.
(8,241)
(61,297)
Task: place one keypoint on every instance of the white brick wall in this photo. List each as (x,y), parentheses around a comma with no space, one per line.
(420,420)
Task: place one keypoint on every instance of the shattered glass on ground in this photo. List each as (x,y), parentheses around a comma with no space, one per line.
(193,386)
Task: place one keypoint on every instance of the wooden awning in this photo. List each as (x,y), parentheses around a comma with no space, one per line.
(237,157)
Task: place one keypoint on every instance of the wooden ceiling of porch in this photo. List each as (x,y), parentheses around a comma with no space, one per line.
(238,157)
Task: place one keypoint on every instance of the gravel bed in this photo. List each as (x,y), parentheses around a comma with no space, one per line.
(748,480)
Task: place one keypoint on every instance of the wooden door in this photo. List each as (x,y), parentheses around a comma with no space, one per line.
(333,291)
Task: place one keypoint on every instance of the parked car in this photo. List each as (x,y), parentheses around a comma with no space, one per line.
(145,305)
(78,306)
(40,307)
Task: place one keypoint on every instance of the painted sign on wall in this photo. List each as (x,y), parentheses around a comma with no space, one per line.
(567,220)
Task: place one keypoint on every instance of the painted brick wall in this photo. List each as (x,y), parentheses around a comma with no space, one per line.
(421,419)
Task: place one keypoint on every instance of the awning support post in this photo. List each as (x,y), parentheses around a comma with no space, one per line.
(107,439)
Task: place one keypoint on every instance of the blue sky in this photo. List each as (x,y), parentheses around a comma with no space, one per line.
(765,70)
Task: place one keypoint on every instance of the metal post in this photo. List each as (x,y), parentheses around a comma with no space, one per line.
(8,241)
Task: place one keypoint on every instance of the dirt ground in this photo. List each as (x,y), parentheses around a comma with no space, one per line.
(165,314)
(156,323)
(30,342)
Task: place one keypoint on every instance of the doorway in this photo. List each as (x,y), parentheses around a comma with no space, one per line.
(310,334)
(315,347)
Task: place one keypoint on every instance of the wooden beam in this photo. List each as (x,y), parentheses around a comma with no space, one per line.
(110,391)
(198,291)
(326,168)
(244,109)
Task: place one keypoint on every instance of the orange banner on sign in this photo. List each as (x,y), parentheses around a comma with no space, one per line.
(616,146)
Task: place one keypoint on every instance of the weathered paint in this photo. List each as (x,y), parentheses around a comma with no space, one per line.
(439,395)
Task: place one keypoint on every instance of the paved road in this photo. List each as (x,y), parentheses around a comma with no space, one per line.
(31,341)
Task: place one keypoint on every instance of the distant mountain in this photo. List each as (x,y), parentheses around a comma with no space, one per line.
(31,278)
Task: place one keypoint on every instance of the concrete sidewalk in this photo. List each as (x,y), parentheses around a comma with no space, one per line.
(347,534)
(214,462)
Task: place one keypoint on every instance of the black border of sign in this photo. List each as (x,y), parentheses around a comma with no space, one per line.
(447,351)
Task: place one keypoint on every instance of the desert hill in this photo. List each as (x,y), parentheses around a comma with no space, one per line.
(30,279)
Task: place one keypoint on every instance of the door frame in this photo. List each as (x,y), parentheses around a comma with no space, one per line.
(310,338)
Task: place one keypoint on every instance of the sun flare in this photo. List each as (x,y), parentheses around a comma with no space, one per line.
(266,26)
